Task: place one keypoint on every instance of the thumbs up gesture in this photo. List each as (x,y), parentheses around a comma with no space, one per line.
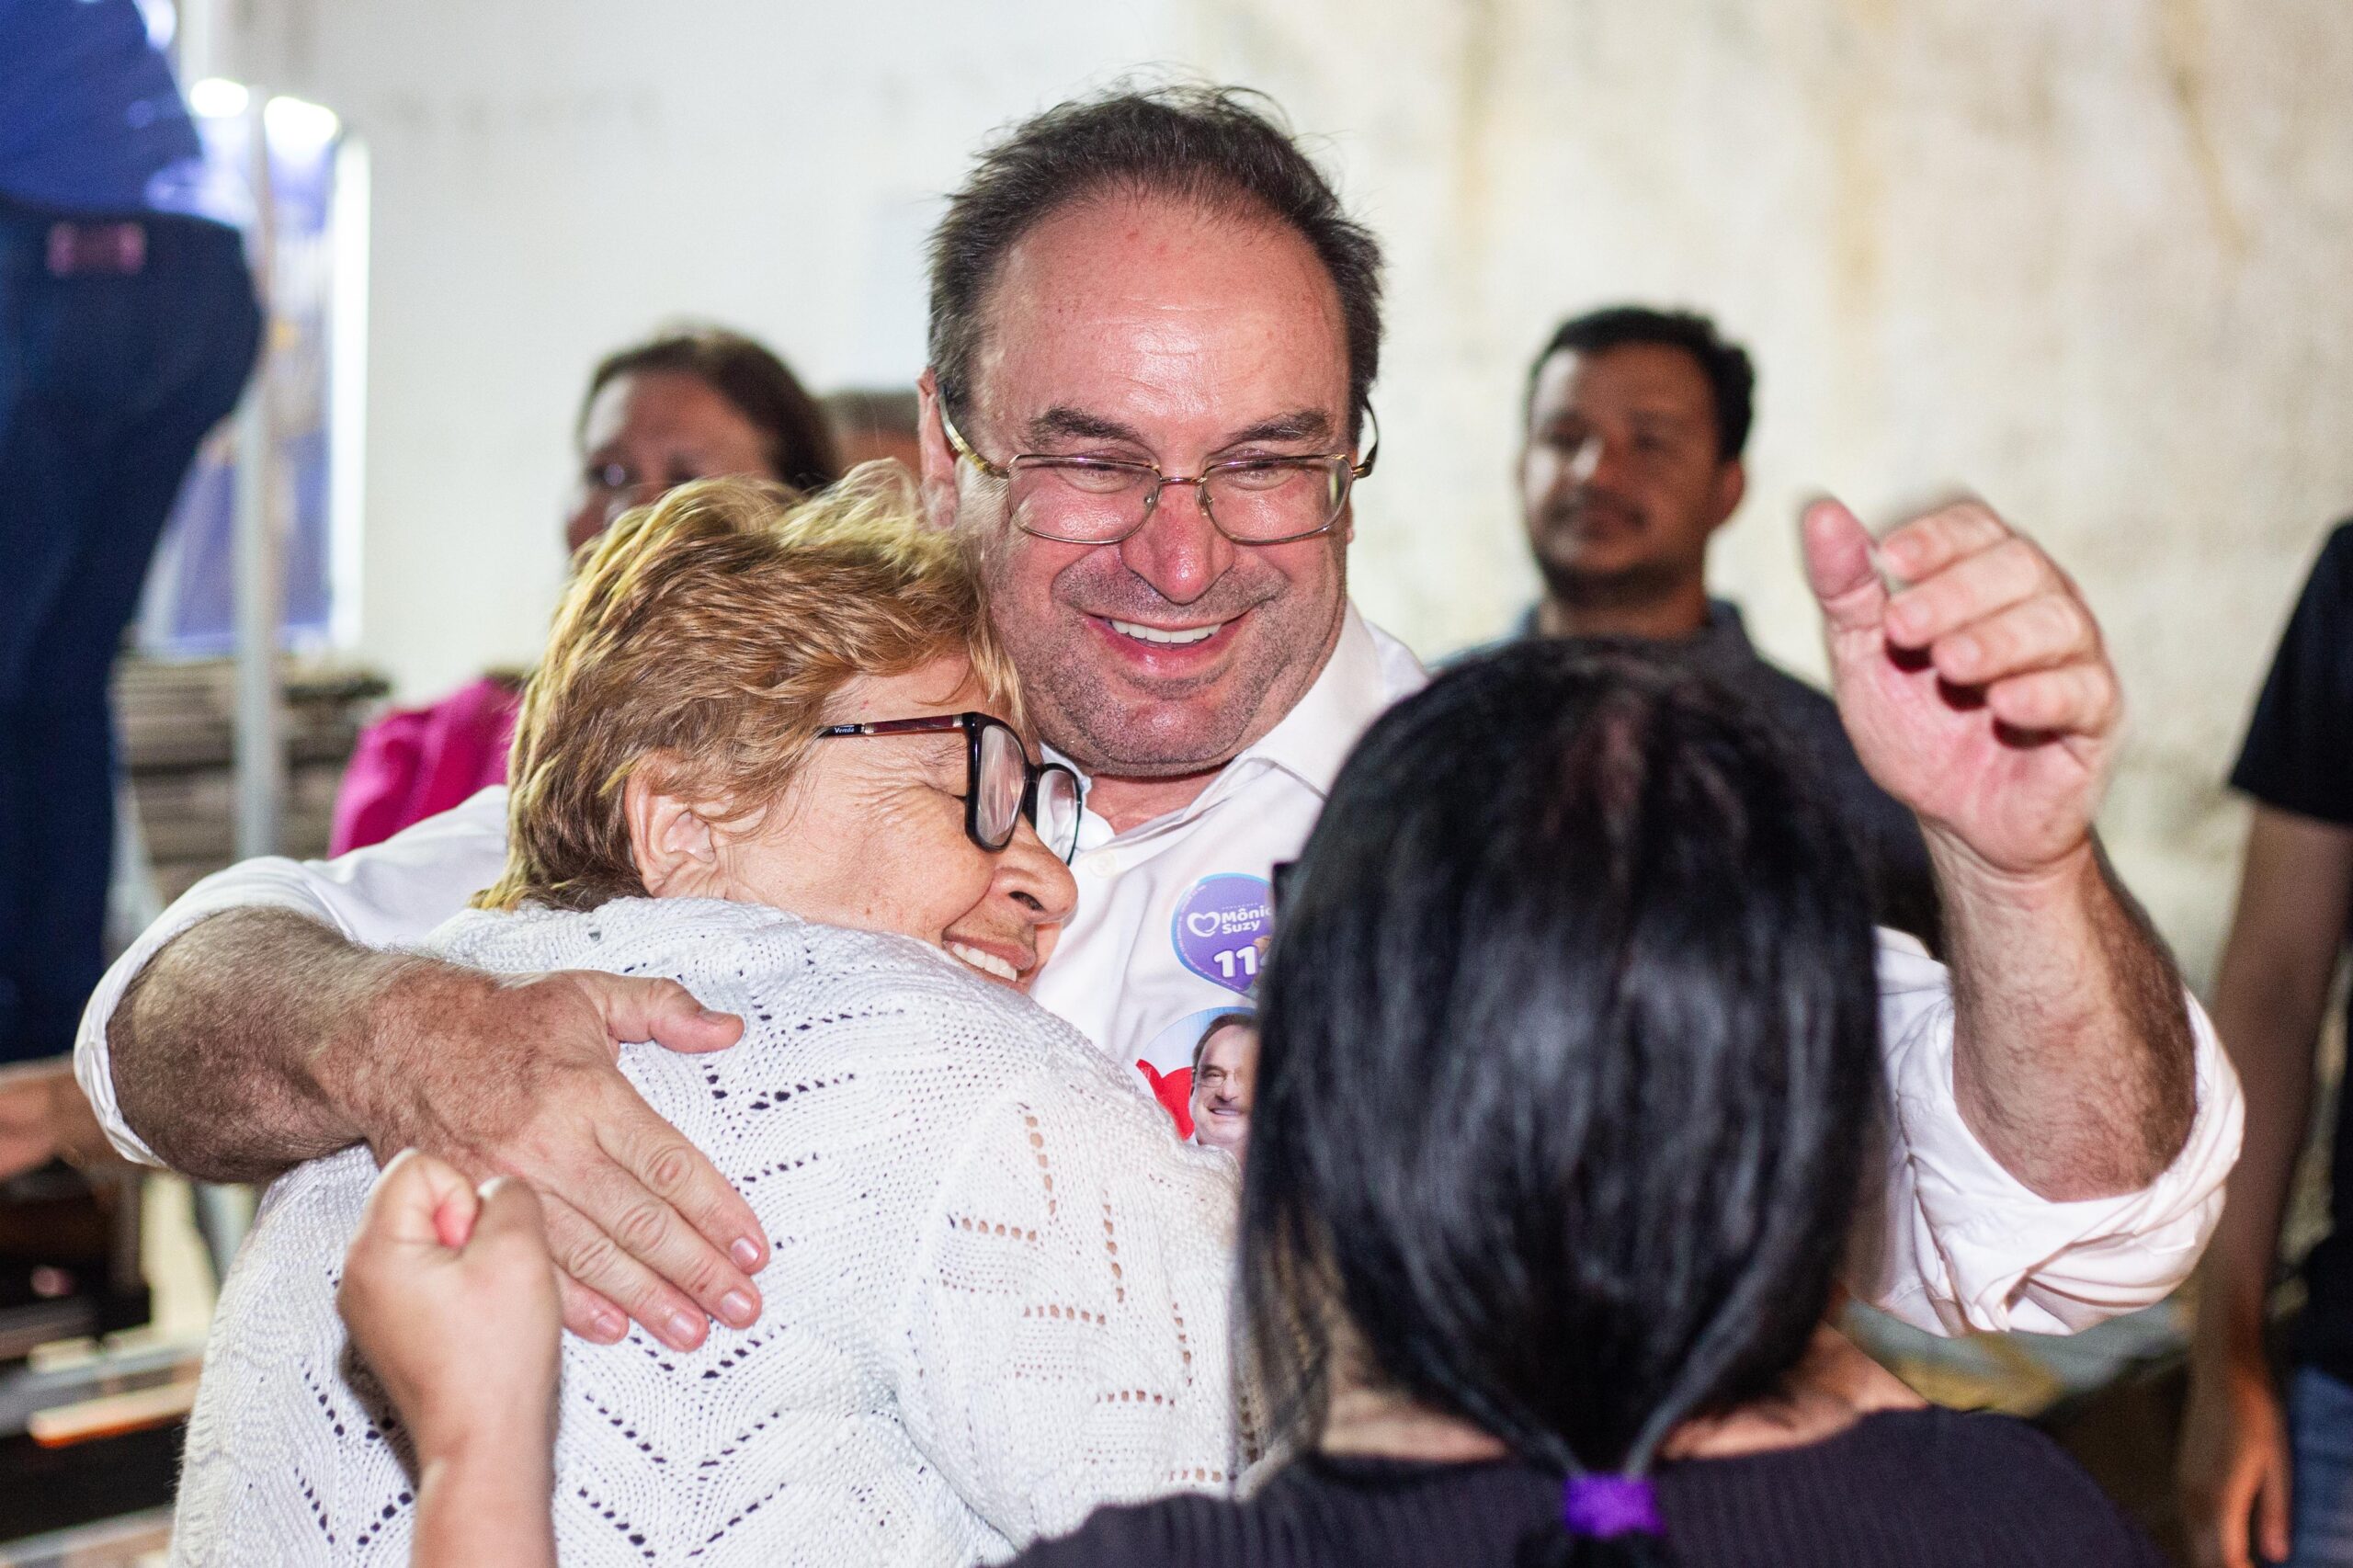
(1977,690)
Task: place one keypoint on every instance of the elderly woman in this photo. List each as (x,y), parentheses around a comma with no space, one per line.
(774,754)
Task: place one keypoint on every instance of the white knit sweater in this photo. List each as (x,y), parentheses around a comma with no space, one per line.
(998,1295)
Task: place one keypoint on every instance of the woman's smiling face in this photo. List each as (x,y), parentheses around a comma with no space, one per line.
(870,836)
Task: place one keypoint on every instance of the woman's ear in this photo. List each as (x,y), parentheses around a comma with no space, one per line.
(670,839)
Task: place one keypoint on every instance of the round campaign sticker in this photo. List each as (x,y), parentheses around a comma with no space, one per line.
(1222,928)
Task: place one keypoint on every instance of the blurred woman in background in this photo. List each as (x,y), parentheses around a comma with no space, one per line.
(681,406)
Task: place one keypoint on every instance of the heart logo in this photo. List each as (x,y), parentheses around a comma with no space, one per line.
(1220,928)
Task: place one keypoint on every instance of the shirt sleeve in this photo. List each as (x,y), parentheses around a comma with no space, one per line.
(1957,1244)
(1062,1343)
(2298,750)
(382,896)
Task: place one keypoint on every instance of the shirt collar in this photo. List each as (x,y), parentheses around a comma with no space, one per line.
(1316,736)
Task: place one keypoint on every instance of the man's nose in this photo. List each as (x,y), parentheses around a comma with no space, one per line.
(1179,550)
(1601,464)
(1034,877)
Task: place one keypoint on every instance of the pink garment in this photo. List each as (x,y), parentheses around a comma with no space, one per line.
(418,762)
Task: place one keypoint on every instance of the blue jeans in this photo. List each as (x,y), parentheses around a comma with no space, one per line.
(109,378)
(2320,1434)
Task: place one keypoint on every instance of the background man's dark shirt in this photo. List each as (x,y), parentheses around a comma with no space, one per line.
(2298,757)
(1886,835)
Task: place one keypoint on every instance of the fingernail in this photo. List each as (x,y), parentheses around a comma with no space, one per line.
(610,1324)
(686,1329)
(1961,652)
(738,1308)
(747,1253)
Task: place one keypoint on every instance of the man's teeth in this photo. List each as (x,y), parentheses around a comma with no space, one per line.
(987,963)
(1154,634)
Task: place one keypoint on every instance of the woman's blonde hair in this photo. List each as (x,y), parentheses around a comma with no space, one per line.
(705,637)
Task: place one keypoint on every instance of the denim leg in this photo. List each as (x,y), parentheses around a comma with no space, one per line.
(124,377)
(2320,1428)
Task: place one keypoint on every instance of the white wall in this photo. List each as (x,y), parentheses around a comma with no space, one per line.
(2086,256)
(555,178)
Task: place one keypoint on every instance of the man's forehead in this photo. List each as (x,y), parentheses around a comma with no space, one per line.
(1644,377)
(1159,317)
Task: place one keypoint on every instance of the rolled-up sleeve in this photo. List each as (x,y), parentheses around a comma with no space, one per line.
(1961,1244)
(386,894)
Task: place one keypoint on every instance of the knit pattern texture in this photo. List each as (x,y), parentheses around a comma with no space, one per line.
(998,1293)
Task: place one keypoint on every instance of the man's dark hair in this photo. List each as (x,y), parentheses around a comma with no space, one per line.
(1247,1018)
(1731,379)
(795,434)
(1212,147)
(1568,1056)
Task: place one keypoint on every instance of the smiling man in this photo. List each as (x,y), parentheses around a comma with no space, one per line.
(1225,1066)
(1154,334)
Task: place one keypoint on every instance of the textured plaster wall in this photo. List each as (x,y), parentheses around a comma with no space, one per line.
(2089,258)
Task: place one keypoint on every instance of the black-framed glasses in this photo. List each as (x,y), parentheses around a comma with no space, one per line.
(1001,784)
(1262,500)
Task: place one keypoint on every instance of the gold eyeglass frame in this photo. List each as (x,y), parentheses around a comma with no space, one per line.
(1004,472)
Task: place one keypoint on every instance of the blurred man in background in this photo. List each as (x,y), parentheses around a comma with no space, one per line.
(1636,419)
(127,325)
(2245,1464)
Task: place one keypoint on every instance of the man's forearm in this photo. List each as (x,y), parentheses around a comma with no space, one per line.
(2074,1060)
(215,1049)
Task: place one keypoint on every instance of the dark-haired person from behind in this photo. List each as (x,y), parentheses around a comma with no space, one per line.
(1567,1077)
(1635,423)
(1567,1083)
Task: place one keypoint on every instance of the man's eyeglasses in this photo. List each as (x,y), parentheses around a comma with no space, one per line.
(1269,500)
(1001,784)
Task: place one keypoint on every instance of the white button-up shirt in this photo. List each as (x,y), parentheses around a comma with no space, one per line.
(1171,923)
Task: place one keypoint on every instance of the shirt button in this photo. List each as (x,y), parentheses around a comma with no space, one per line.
(1103,863)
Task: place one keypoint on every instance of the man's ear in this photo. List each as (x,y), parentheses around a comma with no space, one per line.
(938,482)
(1732,483)
(669,837)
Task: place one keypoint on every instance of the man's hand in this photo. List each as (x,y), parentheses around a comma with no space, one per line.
(2233,1468)
(451,1298)
(1979,695)
(258,1039)
(518,1077)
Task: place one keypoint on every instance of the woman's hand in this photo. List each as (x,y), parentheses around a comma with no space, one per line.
(450,1296)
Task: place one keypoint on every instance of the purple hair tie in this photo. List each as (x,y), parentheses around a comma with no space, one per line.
(1603,1507)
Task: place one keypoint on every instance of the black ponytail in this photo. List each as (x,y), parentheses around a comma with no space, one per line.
(1568,1054)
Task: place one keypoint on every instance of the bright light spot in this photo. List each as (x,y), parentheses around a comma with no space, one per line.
(297,120)
(163,19)
(217,97)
